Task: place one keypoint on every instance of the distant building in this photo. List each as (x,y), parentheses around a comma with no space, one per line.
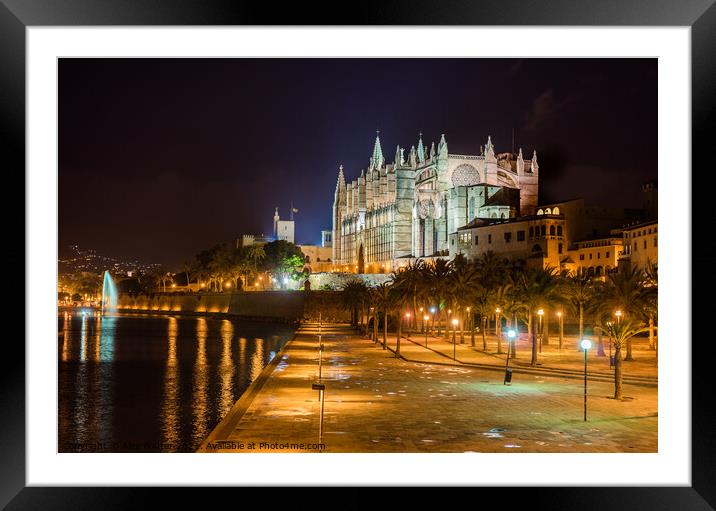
(327,239)
(283,229)
(252,239)
(318,259)
(640,245)
(596,257)
(537,239)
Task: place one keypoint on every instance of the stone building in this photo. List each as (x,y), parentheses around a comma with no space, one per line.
(406,209)
(640,244)
(596,257)
(540,240)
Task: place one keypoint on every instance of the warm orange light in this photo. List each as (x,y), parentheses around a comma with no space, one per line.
(425,318)
(455,321)
(407,314)
(559,314)
(202,284)
(174,285)
(540,312)
(228,284)
(618,314)
(498,310)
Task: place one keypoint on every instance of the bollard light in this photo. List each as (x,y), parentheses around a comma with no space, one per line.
(585,344)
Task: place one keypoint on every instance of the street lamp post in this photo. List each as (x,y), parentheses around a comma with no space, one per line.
(407,319)
(425,322)
(497,320)
(618,314)
(540,313)
(561,329)
(611,360)
(586,344)
(455,321)
(511,334)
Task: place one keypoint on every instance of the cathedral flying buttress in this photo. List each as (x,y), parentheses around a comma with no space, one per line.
(395,212)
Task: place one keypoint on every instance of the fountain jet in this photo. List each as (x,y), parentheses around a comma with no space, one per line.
(110,296)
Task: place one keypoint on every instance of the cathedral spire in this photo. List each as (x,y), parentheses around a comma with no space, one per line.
(432,151)
(378,158)
(421,148)
(397,159)
(341,184)
(535,166)
(489,149)
(520,162)
(442,148)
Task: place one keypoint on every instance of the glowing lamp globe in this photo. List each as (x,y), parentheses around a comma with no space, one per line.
(511,334)
(585,344)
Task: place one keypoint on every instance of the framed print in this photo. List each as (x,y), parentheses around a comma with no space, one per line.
(281,250)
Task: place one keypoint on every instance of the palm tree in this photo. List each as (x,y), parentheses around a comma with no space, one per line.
(627,291)
(540,288)
(439,275)
(579,292)
(382,303)
(354,294)
(463,284)
(621,333)
(398,297)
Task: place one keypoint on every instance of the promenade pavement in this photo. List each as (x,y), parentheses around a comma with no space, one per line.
(375,402)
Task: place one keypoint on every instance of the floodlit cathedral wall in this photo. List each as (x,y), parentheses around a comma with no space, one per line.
(407,208)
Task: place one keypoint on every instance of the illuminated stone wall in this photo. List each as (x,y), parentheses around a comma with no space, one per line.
(266,304)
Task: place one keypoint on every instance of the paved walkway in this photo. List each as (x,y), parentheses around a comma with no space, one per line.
(551,361)
(377,403)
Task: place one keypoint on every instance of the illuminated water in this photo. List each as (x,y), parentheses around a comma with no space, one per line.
(154,383)
(110,296)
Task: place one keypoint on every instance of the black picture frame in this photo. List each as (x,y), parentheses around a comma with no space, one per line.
(700,15)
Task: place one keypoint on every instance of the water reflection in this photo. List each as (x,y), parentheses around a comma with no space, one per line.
(170,404)
(141,381)
(257,361)
(201,379)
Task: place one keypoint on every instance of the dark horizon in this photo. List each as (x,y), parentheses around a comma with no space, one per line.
(161,158)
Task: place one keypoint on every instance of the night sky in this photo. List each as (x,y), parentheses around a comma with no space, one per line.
(160,158)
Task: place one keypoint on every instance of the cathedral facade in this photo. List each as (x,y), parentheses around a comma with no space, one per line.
(406,209)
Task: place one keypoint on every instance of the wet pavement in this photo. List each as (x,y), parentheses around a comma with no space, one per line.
(375,402)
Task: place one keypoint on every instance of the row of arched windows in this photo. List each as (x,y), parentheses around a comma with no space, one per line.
(541,230)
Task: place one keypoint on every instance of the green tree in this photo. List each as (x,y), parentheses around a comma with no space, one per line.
(540,288)
(621,333)
(579,292)
(627,291)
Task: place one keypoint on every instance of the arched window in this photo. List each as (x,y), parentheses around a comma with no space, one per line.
(540,212)
(544,230)
(493,215)
(559,230)
(471,209)
(532,232)
(547,211)
(590,271)
(599,270)
(551,230)
(555,210)
(502,215)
